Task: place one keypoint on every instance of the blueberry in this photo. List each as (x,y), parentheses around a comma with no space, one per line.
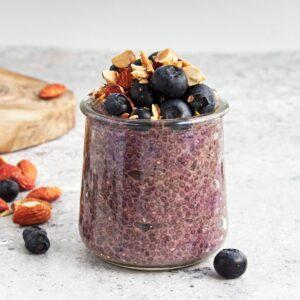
(9,190)
(169,80)
(30,229)
(113,68)
(230,263)
(117,104)
(201,98)
(175,108)
(142,113)
(36,240)
(141,94)
(159,97)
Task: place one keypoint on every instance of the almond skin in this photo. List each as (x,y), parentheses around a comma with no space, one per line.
(52,91)
(48,194)
(25,183)
(32,212)
(28,169)
(8,171)
(2,161)
(3,205)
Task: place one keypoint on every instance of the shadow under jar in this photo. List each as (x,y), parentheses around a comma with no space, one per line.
(153,192)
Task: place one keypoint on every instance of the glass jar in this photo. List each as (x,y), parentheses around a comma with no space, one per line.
(153,192)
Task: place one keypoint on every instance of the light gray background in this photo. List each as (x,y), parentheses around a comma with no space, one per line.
(185,25)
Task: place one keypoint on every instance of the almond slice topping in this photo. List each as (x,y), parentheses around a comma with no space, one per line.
(178,64)
(143,81)
(140,74)
(193,75)
(146,62)
(166,57)
(124,59)
(134,117)
(139,68)
(110,76)
(155,111)
(185,63)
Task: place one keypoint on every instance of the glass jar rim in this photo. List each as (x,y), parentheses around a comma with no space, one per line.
(88,111)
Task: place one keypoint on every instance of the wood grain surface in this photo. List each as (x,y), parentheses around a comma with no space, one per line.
(25,119)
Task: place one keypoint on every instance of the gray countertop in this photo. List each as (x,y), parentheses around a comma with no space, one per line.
(262,148)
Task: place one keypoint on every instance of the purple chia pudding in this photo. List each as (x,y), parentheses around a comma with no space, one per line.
(153,197)
(153,189)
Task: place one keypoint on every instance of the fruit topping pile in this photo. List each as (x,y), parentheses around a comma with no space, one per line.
(158,86)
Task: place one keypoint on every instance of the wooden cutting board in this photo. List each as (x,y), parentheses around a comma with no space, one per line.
(25,119)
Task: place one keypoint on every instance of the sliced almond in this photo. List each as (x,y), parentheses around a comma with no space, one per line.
(194,75)
(146,62)
(143,81)
(178,64)
(155,111)
(139,68)
(166,57)
(190,99)
(124,59)
(111,77)
(185,63)
(140,74)
(6,212)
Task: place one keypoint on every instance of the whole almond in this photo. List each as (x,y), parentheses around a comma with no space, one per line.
(25,183)
(32,213)
(48,194)
(8,171)
(52,91)
(28,169)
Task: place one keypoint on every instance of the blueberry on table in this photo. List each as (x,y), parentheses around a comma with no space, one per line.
(169,80)
(30,229)
(175,108)
(141,94)
(142,113)
(201,98)
(9,190)
(36,240)
(230,263)
(117,104)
